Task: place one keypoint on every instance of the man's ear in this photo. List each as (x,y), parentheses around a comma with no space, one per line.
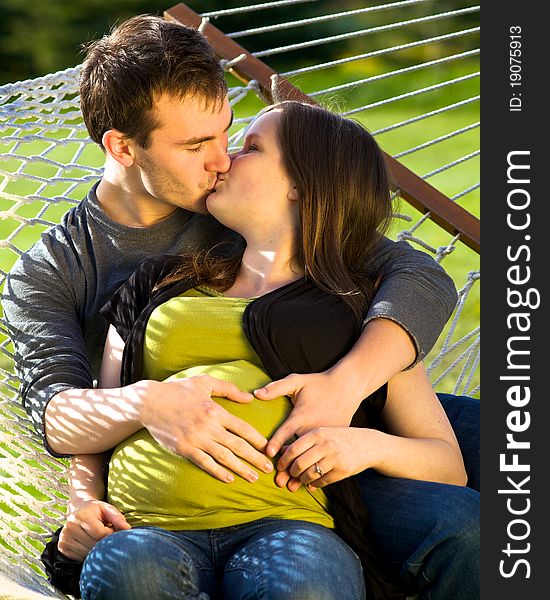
(118,146)
(293,193)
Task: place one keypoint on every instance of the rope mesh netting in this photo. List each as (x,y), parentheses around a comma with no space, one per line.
(408,70)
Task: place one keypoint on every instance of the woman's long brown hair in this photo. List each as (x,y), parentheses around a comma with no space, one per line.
(344,193)
(344,200)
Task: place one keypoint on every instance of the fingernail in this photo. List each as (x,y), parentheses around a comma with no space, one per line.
(269,467)
(252,476)
(229,478)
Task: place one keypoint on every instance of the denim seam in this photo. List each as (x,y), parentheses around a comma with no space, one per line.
(256,574)
(200,562)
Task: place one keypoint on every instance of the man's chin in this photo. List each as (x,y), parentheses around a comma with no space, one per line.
(200,205)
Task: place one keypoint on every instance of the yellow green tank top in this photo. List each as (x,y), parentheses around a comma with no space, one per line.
(195,333)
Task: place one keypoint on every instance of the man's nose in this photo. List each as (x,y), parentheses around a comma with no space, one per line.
(225,162)
(219,161)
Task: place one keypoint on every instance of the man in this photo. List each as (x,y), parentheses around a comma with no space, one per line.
(154,97)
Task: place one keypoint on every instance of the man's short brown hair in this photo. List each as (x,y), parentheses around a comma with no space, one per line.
(146,56)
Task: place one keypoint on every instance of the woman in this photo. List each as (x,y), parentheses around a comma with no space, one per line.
(291,301)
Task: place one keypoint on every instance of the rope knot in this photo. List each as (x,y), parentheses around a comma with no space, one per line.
(204,23)
(229,64)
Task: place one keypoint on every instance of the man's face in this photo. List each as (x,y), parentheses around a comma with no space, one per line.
(186,153)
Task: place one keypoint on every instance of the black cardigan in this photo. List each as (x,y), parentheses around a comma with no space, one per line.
(294,329)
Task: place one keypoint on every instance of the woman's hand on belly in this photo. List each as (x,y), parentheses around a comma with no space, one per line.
(329,454)
(319,399)
(154,486)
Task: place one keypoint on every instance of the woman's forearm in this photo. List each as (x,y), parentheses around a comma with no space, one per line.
(428,459)
(419,442)
(89,518)
(85,479)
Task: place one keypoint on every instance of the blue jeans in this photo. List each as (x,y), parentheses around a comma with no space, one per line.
(271,559)
(429,532)
(463,413)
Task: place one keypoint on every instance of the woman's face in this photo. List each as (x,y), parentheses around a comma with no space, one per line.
(255,192)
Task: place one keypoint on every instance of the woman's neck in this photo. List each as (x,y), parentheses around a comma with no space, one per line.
(265,266)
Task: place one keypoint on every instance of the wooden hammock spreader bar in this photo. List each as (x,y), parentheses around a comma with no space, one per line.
(415,190)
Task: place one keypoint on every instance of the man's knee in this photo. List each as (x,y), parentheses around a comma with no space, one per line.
(449,566)
(464,414)
(455,537)
(465,526)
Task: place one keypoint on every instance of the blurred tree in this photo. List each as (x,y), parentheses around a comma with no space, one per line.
(39,37)
(44,36)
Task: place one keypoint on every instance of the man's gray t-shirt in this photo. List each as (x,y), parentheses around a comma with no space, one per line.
(53,294)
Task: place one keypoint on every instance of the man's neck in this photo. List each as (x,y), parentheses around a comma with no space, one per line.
(128,208)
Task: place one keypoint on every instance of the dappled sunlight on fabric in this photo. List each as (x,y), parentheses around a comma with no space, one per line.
(153,486)
(297,545)
(170,346)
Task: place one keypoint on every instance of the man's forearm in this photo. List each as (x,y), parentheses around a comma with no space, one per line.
(90,421)
(331,398)
(383,350)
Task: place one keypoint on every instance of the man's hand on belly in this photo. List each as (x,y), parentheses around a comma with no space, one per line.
(183,418)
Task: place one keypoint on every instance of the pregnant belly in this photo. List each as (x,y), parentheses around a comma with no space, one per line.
(153,486)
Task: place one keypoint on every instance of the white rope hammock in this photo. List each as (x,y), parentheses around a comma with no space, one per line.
(47,164)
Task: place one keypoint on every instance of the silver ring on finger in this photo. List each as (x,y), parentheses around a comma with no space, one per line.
(318,470)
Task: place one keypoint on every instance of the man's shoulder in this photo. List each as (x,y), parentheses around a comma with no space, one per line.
(57,245)
(387,249)
(386,244)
